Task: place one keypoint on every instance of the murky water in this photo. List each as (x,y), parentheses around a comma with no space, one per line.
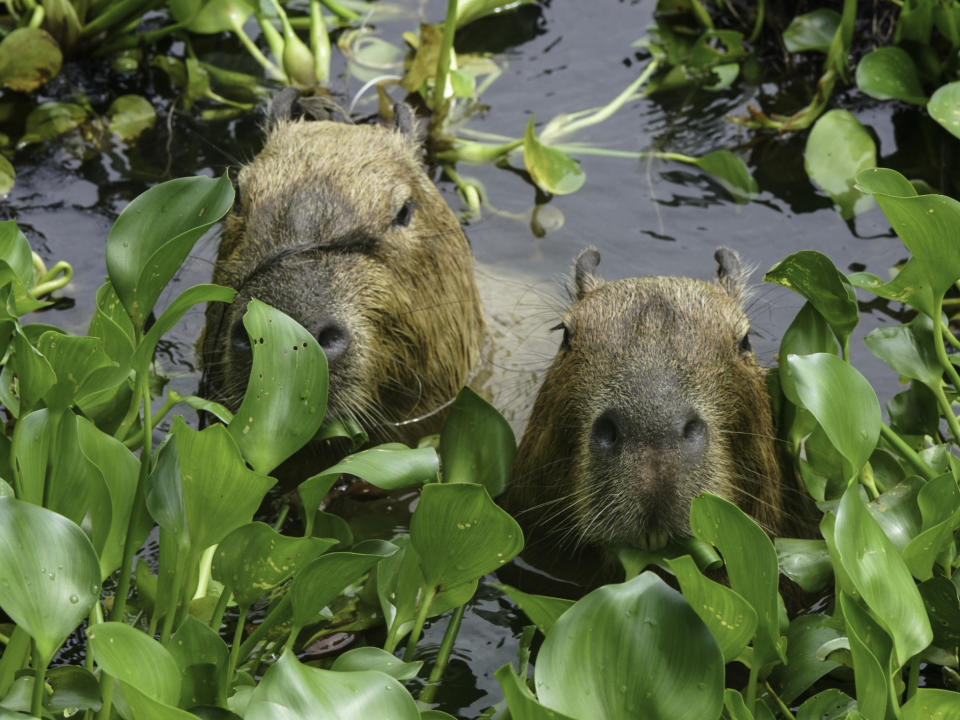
(650,217)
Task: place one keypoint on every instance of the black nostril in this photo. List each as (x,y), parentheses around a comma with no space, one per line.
(334,339)
(606,433)
(695,429)
(239,339)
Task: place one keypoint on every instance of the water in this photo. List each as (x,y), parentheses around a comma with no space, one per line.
(650,217)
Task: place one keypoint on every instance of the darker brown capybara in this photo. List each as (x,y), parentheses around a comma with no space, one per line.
(339,227)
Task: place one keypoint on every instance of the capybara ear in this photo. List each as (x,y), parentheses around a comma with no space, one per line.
(730,273)
(407,122)
(284,107)
(585,277)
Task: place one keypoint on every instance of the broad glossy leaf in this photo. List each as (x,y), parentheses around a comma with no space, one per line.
(843,402)
(617,629)
(943,608)
(144,707)
(286,397)
(932,704)
(35,374)
(730,171)
(552,170)
(155,233)
(944,107)
(130,115)
(837,149)
(908,350)
(74,360)
(51,120)
(111,324)
(731,619)
(812,31)
(735,705)
(136,658)
(49,574)
(255,558)
(806,562)
(8,177)
(870,649)
(888,73)
(806,634)
(460,534)
(15,251)
(751,563)
(880,576)
(33,435)
(164,493)
(374,658)
(896,512)
(292,691)
(914,411)
(477,444)
(29,58)
(201,655)
(813,275)
(939,501)
(522,703)
(73,688)
(542,610)
(470,10)
(831,704)
(211,16)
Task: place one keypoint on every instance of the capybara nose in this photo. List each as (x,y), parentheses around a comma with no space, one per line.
(685,433)
(334,338)
(607,434)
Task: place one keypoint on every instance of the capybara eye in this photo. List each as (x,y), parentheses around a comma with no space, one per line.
(405,215)
(745,346)
(565,342)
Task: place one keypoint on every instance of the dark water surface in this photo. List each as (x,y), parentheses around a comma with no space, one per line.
(649,217)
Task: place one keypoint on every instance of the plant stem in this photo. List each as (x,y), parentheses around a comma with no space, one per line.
(112,15)
(173,398)
(217,618)
(14,658)
(783,708)
(913,679)
(439,105)
(941,350)
(319,43)
(443,656)
(951,338)
(272,619)
(758,26)
(171,612)
(40,671)
(340,11)
(272,70)
(752,687)
(906,452)
(948,414)
(425,602)
(236,646)
(523,650)
(292,638)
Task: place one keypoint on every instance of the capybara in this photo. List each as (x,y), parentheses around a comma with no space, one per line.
(654,396)
(338,226)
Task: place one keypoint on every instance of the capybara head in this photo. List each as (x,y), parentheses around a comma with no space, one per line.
(339,227)
(654,396)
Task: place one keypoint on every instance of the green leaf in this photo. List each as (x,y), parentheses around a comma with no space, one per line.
(751,563)
(731,619)
(460,534)
(909,350)
(75,361)
(842,401)
(939,501)
(201,655)
(552,170)
(373,658)
(8,177)
(944,107)
(830,704)
(543,610)
(155,233)
(943,608)
(837,149)
(134,657)
(731,172)
(805,636)
(932,704)
(888,73)
(522,703)
(130,115)
(477,444)
(812,31)
(880,576)
(211,16)
(15,251)
(29,58)
(870,650)
(286,396)
(292,691)
(74,688)
(806,562)
(255,558)
(51,120)
(49,574)
(470,10)
(35,374)
(617,629)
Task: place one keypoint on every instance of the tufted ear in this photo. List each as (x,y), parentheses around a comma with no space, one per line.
(585,277)
(285,106)
(730,273)
(407,123)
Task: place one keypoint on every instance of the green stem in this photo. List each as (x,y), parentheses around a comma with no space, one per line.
(236,647)
(758,25)
(443,656)
(340,11)
(171,611)
(948,414)
(906,452)
(274,617)
(40,671)
(274,72)
(216,620)
(951,338)
(477,152)
(292,637)
(913,678)
(941,350)
(114,13)
(272,36)
(50,282)
(425,603)
(144,39)
(14,658)
(173,398)
(523,649)
(780,704)
(752,687)
(36,20)
(319,43)
(443,63)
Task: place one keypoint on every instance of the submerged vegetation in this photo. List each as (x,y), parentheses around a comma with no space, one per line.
(86,477)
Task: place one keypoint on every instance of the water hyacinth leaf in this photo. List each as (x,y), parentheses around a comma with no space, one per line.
(8,177)
(144,707)
(731,619)
(888,73)
(211,16)
(74,360)
(130,116)
(932,704)
(870,650)
(522,703)
(201,654)
(154,234)
(255,558)
(730,171)
(15,251)
(751,563)
(33,435)
(477,444)
(293,691)
(914,411)
(939,502)
(164,494)
(134,657)
(831,704)
(806,634)
(812,31)
(880,576)
(286,396)
(460,534)
(896,512)
(51,120)
(813,275)
(808,333)
(542,610)
(641,623)
(374,658)
(806,562)
(73,688)
(29,58)
(944,107)
(51,576)
(552,170)
(320,582)
(853,425)
(940,596)
(35,374)
(908,350)
(837,149)
(470,10)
